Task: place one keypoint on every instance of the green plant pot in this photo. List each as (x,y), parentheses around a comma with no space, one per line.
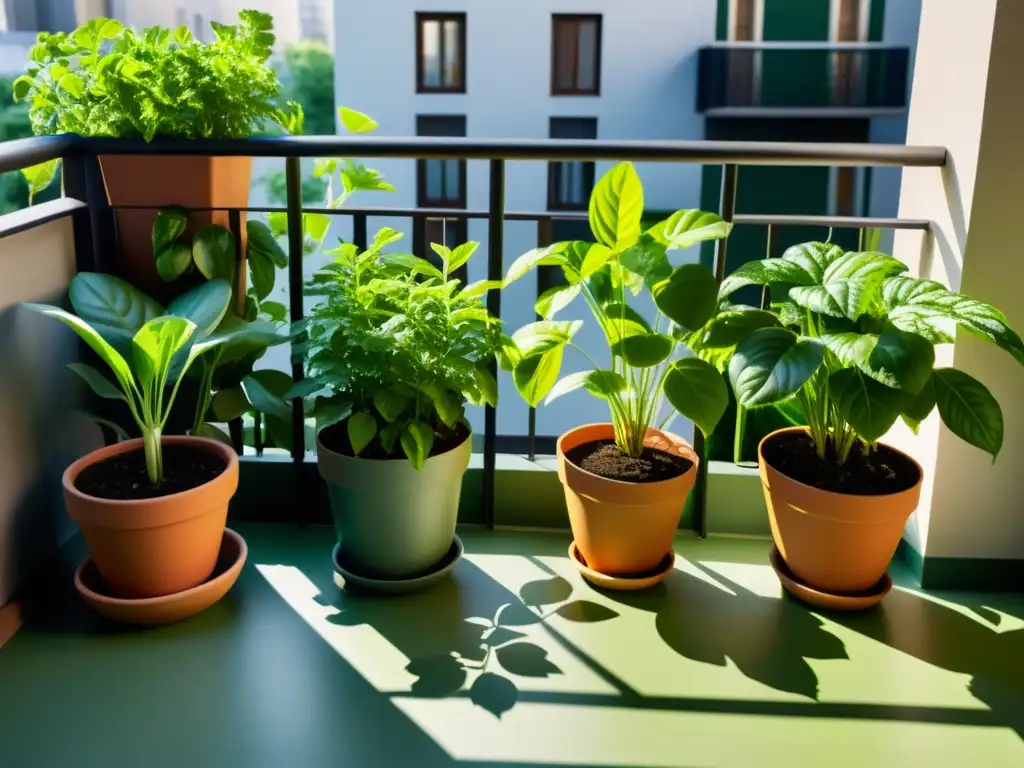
(393,521)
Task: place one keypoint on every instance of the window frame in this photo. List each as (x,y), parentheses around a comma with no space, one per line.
(422,17)
(577,18)
(555,170)
(422,200)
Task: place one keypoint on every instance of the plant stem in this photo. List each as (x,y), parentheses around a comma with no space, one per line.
(154,454)
(739,434)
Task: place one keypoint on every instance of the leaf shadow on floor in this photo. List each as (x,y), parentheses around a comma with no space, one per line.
(469,635)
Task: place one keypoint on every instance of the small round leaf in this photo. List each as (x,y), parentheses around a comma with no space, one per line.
(645,351)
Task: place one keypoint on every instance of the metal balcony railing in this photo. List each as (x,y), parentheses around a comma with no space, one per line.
(817,78)
(95,233)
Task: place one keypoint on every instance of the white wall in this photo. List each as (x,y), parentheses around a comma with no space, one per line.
(648,91)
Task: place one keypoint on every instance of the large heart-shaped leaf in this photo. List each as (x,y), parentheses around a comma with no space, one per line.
(390,403)
(772,364)
(554,300)
(867,406)
(895,358)
(534,376)
(230,404)
(173,261)
(697,390)
(729,328)
(600,383)
(863,264)
(969,410)
(644,350)
(849,298)
(544,335)
(263,274)
(266,391)
(205,305)
(814,258)
(597,256)
(918,407)
(647,258)
(261,240)
(687,228)
(616,206)
(765,272)
(113,307)
(213,251)
(167,228)
(362,428)
(689,296)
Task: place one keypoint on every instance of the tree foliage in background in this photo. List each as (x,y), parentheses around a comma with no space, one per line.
(15,124)
(309,80)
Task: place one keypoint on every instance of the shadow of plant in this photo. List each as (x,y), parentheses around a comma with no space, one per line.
(471,640)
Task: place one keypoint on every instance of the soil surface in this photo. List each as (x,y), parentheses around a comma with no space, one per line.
(880,472)
(603,457)
(123,477)
(335,438)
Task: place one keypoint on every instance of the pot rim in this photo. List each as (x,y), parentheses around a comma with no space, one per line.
(321,449)
(94,457)
(815,489)
(692,457)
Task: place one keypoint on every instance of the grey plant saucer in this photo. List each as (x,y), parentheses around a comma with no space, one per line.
(346,578)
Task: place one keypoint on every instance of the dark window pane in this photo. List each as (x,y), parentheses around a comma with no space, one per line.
(452,55)
(565,54)
(435,179)
(586,67)
(432,54)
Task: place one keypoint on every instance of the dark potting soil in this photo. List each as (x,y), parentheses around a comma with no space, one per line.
(604,458)
(335,438)
(877,473)
(123,477)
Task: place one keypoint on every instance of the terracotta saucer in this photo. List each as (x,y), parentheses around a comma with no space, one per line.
(345,577)
(169,608)
(821,599)
(622,583)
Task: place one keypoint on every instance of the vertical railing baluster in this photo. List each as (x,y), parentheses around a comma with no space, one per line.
(241,288)
(727,209)
(293,178)
(93,227)
(257,433)
(359,237)
(773,248)
(495,266)
(544,238)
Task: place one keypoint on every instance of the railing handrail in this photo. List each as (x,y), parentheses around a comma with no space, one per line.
(21,153)
(805,45)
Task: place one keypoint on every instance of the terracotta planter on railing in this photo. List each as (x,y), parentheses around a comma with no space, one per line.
(165,181)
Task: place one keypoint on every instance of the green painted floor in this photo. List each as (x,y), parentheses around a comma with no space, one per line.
(516,661)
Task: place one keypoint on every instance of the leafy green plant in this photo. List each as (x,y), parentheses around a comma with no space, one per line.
(852,339)
(396,347)
(146,348)
(105,79)
(648,363)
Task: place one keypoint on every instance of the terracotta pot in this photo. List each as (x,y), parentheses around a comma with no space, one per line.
(620,527)
(154,547)
(190,181)
(836,542)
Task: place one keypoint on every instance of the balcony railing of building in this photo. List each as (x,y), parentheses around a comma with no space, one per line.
(94,230)
(827,79)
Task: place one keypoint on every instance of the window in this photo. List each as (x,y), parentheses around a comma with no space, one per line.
(441,52)
(570,183)
(441,183)
(576,55)
(199,29)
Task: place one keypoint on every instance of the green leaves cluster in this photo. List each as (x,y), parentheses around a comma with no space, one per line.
(105,79)
(648,363)
(148,348)
(396,347)
(853,339)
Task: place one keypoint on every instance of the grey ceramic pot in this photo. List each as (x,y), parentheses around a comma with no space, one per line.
(392,520)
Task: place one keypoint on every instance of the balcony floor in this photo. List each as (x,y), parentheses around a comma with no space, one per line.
(713,668)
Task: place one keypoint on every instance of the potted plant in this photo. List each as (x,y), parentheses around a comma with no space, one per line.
(626,481)
(851,338)
(106,80)
(152,510)
(394,352)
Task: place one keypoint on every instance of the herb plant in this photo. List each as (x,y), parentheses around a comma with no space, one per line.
(648,363)
(146,349)
(852,339)
(397,348)
(105,79)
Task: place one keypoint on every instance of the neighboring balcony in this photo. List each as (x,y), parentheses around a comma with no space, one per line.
(802,79)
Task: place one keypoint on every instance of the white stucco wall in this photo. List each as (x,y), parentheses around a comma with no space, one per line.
(648,91)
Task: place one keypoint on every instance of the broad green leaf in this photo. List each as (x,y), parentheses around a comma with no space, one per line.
(765,272)
(261,238)
(648,259)
(549,255)
(173,261)
(600,383)
(814,258)
(729,328)
(274,310)
(308,388)
(39,177)
(362,428)
(772,364)
(168,227)
(697,390)
(688,297)
(356,122)
(213,431)
(461,255)
(646,350)
(112,306)
(213,251)
(894,358)
(487,385)
(155,344)
(109,355)
(545,335)
(479,288)
(621,277)
(868,407)
(230,404)
(21,87)
(534,376)
(331,410)
(316,225)
(969,410)
(862,265)
(205,305)
(262,274)
(390,403)
(616,206)
(918,407)
(687,228)
(449,409)
(417,441)
(554,300)
(849,298)
(73,84)
(597,256)
(97,382)
(413,264)
(266,390)
(617,312)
